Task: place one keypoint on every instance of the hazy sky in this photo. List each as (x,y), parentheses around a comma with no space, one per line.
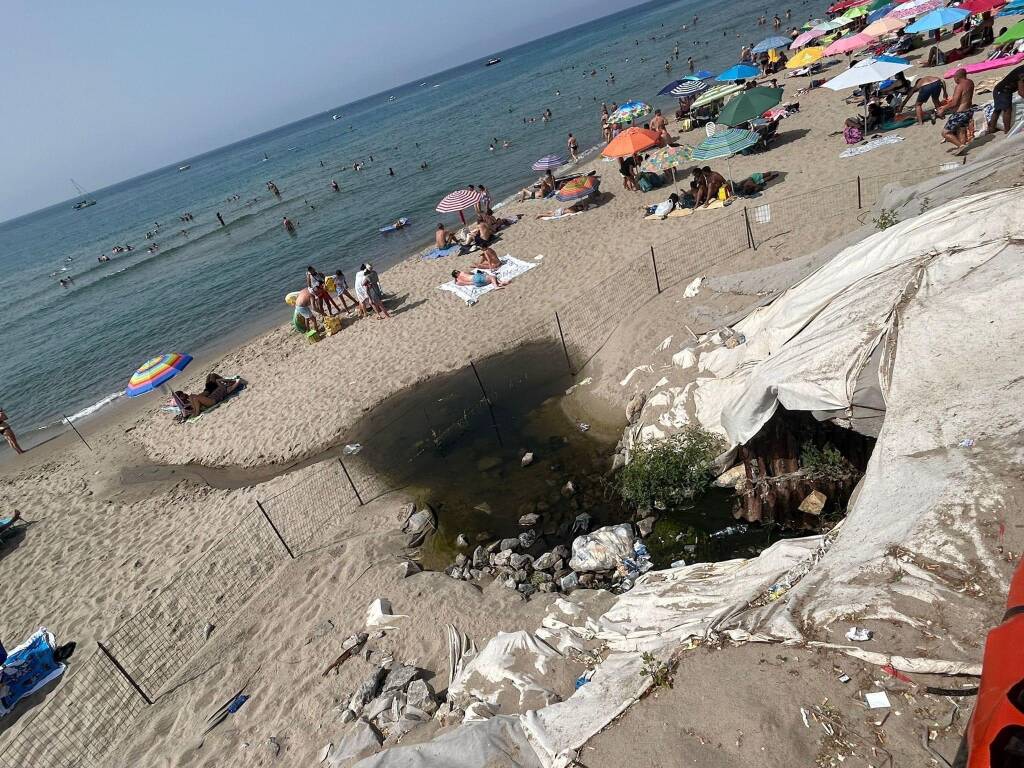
(103,91)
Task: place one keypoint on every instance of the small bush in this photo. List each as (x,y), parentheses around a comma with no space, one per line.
(886,218)
(660,673)
(826,461)
(671,471)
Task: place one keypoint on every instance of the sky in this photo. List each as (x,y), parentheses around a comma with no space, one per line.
(105,91)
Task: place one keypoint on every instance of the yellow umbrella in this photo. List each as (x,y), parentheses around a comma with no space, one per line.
(884,26)
(805,58)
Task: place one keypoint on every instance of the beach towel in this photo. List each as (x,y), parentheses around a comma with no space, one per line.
(873,144)
(895,125)
(440,253)
(510,268)
(28,668)
(560,216)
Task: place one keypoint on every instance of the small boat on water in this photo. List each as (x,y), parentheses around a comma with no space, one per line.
(85,202)
(184,167)
(492,62)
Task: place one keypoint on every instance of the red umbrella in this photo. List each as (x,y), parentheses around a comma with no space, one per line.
(982,6)
(458,201)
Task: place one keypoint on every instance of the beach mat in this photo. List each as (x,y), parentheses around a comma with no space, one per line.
(681,212)
(561,216)
(510,268)
(873,144)
(440,253)
(895,125)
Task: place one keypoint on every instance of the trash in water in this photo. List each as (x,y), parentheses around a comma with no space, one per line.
(677,564)
(730,531)
(877,700)
(967,443)
(583,427)
(859,634)
(352,449)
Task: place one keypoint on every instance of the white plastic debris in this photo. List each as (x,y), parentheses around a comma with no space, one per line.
(379,615)
(967,442)
(603,549)
(693,288)
(877,700)
(859,634)
(352,449)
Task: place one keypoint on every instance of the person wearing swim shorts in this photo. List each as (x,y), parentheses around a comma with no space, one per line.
(960,103)
(927,88)
(8,433)
(476,279)
(1002,98)
(304,309)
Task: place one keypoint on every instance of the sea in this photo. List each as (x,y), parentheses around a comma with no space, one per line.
(68,351)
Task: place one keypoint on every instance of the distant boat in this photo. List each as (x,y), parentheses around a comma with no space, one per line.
(183,167)
(85,202)
(335,117)
(391,98)
(492,62)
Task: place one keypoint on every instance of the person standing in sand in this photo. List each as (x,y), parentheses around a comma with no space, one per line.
(960,104)
(659,125)
(8,433)
(927,88)
(374,294)
(1002,98)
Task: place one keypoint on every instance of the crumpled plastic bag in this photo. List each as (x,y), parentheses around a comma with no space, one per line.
(603,549)
(379,615)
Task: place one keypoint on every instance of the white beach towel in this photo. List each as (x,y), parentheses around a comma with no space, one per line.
(510,268)
(873,144)
(559,216)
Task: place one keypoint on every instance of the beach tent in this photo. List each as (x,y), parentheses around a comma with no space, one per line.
(940,17)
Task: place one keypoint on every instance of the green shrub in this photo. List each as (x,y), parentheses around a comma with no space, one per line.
(671,471)
(660,674)
(886,218)
(824,462)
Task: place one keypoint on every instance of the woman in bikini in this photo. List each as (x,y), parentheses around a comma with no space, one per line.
(8,433)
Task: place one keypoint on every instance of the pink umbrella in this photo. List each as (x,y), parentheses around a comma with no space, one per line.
(914,8)
(458,201)
(849,43)
(805,37)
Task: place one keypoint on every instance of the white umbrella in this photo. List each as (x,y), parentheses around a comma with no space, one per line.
(868,71)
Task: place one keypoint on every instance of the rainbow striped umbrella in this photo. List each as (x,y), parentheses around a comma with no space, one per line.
(577,189)
(548,163)
(155,372)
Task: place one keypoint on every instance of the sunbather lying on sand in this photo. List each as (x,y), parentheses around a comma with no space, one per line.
(576,207)
(543,188)
(755,182)
(476,279)
(217,388)
(488,260)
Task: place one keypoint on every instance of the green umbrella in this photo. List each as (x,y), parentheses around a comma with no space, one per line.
(717,93)
(1016,32)
(751,104)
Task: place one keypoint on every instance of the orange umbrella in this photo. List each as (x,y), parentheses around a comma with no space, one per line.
(631,141)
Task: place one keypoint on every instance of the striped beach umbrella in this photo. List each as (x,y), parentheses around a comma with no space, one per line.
(725,143)
(690,88)
(548,163)
(663,159)
(629,112)
(717,93)
(579,188)
(458,201)
(915,8)
(155,372)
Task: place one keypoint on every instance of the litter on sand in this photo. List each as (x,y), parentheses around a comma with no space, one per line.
(877,700)
(859,634)
(967,443)
(352,449)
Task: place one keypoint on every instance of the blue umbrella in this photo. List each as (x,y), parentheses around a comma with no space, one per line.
(770,43)
(738,72)
(880,12)
(703,74)
(940,17)
(725,143)
(668,88)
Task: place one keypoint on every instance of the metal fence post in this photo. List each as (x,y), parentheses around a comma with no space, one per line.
(565,349)
(274,529)
(654,261)
(349,478)
(124,673)
(860,203)
(83,439)
(750,231)
(487,399)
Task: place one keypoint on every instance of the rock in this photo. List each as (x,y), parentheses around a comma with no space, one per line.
(509,544)
(527,539)
(409,568)
(814,503)
(588,580)
(479,557)
(399,677)
(361,741)
(547,586)
(494,546)
(582,523)
(569,583)
(635,406)
(562,551)
(484,507)
(325,752)
(419,525)
(461,560)
(527,459)
(348,716)
(208,630)
(406,511)
(646,525)
(545,562)
(527,589)
(503,558)
(475,574)
(420,695)
(522,575)
(568,489)
(378,706)
(520,561)
(461,540)
(366,691)
(530,520)
(509,582)
(732,478)
(488,462)
(539,577)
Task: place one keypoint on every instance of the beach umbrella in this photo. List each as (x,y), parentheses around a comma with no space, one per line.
(1016,32)
(578,188)
(937,19)
(856,13)
(548,163)
(667,158)
(850,43)
(700,74)
(631,141)
(738,72)
(805,58)
(833,24)
(690,88)
(750,104)
(805,37)
(668,88)
(884,27)
(982,6)
(629,112)
(156,372)
(771,43)
(880,13)
(725,143)
(915,8)
(717,93)
(458,201)
(868,71)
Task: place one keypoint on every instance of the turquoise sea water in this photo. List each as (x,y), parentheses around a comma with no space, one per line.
(66,350)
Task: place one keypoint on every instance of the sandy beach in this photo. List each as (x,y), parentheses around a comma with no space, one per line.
(98,547)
